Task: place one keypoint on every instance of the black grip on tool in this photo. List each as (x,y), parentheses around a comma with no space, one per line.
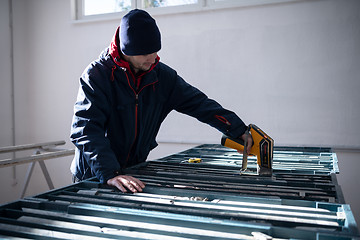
(238,140)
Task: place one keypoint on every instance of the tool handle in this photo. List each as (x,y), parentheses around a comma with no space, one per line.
(237,144)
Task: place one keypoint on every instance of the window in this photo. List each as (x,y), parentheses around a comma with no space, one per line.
(167,3)
(170,6)
(85,10)
(94,7)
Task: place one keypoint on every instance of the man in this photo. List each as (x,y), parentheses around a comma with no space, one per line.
(123,98)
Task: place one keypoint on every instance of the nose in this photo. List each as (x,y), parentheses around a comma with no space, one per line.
(151,57)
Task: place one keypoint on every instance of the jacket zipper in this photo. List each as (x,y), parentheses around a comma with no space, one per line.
(136,111)
(136,115)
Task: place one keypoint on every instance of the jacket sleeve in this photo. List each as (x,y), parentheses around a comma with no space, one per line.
(88,130)
(191,101)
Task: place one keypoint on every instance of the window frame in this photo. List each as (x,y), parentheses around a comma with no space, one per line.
(202,5)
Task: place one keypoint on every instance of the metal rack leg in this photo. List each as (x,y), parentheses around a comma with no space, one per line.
(46,175)
(29,173)
(27,178)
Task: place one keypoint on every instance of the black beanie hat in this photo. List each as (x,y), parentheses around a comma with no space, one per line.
(139,34)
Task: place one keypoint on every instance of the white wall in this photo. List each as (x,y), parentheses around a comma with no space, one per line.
(285,67)
(5,69)
(292,69)
(5,96)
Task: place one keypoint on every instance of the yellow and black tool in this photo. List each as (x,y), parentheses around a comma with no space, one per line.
(262,148)
(194,160)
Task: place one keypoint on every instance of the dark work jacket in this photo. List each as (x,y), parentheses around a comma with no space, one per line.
(116,120)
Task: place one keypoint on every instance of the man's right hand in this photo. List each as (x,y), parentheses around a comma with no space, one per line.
(247,136)
(125,182)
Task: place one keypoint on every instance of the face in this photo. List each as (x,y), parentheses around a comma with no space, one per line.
(141,62)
